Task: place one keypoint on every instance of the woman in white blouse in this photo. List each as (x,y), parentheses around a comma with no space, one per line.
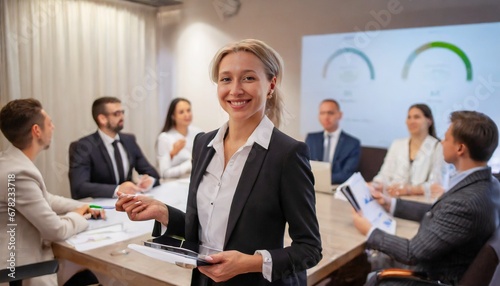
(414,165)
(175,142)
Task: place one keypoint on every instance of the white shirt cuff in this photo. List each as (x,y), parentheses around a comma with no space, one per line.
(116,190)
(393,206)
(163,229)
(370,231)
(267,264)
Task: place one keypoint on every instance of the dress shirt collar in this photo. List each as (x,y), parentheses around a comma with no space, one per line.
(261,135)
(334,134)
(459,176)
(106,139)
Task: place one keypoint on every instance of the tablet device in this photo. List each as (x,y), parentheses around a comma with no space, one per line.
(187,253)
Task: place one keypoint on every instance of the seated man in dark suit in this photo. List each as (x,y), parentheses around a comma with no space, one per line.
(101,163)
(458,224)
(334,145)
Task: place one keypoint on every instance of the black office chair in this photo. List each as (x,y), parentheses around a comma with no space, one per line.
(480,272)
(370,161)
(497,175)
(82,278)
(28,271)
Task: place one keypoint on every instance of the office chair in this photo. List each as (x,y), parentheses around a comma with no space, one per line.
(84,277)
(29,271)
(497,175)
(370,161)
(480,272)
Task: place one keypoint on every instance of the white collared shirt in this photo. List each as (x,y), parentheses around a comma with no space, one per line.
(108,143)
(334,140)
(218,186)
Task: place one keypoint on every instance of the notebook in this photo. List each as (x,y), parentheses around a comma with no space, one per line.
(322,176)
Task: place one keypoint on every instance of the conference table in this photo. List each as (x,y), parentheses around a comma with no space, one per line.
(341,243)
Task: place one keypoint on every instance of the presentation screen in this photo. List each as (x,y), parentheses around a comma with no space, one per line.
(377,75)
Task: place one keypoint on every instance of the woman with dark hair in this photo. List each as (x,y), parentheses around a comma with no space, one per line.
(414,165)
(175,142)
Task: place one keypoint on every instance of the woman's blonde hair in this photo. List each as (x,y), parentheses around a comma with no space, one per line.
(273,65)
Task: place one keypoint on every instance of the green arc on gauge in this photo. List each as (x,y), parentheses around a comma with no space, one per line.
(444,45)
(350,50)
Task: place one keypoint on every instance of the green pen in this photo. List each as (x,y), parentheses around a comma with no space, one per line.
(100,207)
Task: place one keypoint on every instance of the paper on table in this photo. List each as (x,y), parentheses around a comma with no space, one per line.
(372,210)
(97,237)
(116,228)
(172,193)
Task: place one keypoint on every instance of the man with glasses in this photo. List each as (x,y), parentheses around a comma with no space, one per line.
(101,163)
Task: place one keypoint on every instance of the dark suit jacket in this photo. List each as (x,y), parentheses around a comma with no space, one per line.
(275,188)
(91,171)
(452,230)
(346,157)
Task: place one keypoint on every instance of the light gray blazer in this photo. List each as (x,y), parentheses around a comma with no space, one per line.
(452,230)
(39,219)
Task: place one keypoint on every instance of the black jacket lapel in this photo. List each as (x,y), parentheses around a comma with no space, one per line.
(245,185)
(104,152)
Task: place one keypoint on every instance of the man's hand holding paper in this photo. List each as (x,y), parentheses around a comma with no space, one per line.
(373,204)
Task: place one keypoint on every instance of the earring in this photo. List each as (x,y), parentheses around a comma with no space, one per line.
(270,95)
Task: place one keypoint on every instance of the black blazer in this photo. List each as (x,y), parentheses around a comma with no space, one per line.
(452,230)
(345,159)
(91,171)
(275,188)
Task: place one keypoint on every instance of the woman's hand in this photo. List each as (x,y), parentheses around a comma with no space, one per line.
(397,190)
(178,146)
(228,264)
(141,207)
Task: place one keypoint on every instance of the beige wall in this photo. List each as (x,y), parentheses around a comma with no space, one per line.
(282,23)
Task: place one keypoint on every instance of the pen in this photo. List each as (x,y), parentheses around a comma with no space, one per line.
(101,207)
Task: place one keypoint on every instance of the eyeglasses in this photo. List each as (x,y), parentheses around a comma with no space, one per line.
(116,113)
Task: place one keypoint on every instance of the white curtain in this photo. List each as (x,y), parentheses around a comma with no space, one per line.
(67,53)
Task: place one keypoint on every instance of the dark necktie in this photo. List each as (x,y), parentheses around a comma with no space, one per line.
(119,162)
(326,152)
